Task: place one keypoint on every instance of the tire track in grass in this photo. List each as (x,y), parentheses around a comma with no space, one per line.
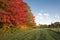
(48,36)
(35,37)
(21,35)
(31,35)
(44,35)
(55,35)
(38,35)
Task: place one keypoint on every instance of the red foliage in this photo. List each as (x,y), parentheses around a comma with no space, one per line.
(14,12)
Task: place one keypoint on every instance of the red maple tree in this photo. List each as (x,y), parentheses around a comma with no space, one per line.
(13,12)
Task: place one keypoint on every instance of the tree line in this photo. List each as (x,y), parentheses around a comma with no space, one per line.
(52,25)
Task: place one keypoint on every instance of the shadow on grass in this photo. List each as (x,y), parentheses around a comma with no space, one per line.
(57,32)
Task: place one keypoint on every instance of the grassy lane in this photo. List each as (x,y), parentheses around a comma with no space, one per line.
(41,34)
(46,34)
(35,34)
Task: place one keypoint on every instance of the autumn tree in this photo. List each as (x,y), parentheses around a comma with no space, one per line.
(31,18)
(15,13)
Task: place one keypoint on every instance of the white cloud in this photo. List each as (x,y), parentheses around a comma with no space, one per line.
(46,18)
(46,14)
(40,14)
(41,17)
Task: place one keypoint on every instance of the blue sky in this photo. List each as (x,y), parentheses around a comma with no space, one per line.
(45,11)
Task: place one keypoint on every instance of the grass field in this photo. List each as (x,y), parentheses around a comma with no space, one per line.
(34,34)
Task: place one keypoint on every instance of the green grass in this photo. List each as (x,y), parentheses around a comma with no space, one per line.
(55,29)
(33,34)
